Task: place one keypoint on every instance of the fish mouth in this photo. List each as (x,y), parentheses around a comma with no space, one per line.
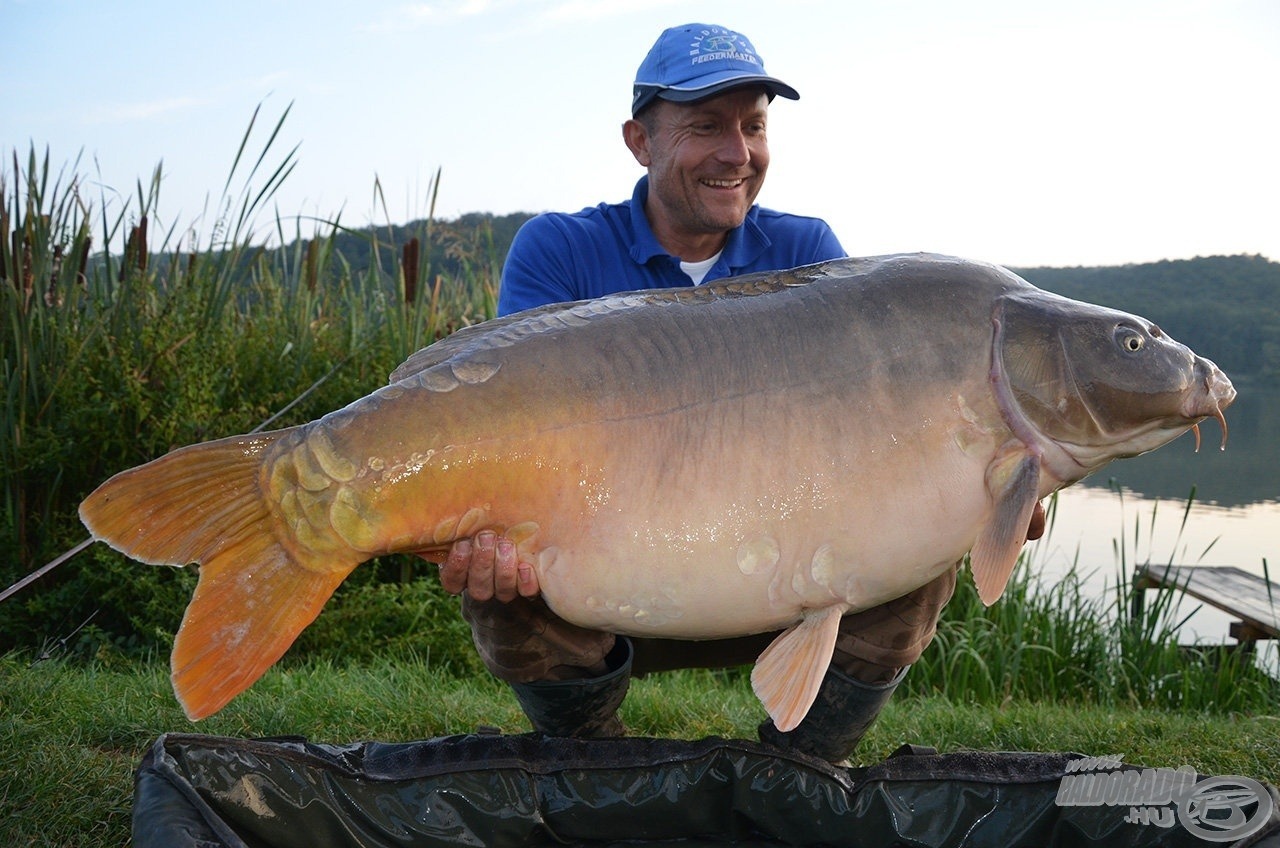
(1218,395)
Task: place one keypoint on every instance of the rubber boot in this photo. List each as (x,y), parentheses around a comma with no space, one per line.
(843,711)
(586,708)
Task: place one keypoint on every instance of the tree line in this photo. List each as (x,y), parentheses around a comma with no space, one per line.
(1224,307)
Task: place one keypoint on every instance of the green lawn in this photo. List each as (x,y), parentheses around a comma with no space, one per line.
(71,736)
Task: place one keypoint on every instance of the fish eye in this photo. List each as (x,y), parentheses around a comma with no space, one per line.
(1130,338)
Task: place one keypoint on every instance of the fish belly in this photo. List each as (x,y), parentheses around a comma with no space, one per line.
(750,538)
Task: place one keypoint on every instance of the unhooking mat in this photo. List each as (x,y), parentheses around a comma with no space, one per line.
(531,790)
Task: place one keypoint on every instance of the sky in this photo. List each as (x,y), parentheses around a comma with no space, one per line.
(1026,133)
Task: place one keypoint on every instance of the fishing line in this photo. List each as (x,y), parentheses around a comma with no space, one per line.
(44,569)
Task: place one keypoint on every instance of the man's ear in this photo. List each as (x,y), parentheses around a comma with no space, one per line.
(637,139)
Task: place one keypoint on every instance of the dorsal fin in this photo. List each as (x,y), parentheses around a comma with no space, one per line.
(506,331)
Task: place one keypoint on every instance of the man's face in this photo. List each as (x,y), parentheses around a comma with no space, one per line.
(706,162)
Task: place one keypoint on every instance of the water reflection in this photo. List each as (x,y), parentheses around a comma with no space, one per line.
(1136,510)
(1247,472)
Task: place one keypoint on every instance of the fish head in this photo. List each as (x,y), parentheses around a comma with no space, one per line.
(1088,384)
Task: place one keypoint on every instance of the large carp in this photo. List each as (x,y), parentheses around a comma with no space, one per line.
(760,453)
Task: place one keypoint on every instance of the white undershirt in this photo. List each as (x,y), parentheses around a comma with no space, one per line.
(698,270)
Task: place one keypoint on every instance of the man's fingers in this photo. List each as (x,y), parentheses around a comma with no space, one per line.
(527,580)
(488,567)
(453,571)
(480,576)
(505,570)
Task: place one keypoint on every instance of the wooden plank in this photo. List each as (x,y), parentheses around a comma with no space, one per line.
(1228,588)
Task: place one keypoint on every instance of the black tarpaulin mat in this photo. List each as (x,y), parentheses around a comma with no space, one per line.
(204,791)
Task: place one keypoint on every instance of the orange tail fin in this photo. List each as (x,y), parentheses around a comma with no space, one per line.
(205,504)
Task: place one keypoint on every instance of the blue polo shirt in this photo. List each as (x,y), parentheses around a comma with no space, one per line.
(557,257)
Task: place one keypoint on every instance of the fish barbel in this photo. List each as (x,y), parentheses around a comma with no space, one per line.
(745,456)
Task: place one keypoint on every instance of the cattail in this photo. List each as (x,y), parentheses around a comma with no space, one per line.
(135,249)
(83,265)
(309,271)
(25,274)
(4,239)
(51,297)
(409,266)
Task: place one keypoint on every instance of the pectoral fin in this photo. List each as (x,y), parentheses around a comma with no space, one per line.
(787,675)
(996,551)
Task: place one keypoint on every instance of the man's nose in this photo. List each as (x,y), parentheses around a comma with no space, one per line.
(734,148)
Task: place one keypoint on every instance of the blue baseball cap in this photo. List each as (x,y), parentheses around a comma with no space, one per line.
(695,61)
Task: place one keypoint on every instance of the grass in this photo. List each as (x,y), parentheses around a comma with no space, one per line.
(72,734)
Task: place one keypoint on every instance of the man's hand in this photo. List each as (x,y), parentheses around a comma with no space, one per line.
(488,567)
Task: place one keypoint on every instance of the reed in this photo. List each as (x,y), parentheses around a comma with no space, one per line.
(125,336)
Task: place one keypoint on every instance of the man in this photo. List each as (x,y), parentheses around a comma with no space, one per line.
(698,126)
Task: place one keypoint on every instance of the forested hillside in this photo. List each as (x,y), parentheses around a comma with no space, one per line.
(1224,307)
(454,246)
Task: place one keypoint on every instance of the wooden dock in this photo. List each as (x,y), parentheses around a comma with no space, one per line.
(1249,598)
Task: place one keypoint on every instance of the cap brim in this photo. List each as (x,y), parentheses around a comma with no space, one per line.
(772,85)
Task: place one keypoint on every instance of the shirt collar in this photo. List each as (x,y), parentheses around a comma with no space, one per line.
(745,243)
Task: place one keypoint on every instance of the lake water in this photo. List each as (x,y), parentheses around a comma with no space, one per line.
(1136,506)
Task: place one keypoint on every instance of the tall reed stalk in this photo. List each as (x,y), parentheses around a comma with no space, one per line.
(44,248)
